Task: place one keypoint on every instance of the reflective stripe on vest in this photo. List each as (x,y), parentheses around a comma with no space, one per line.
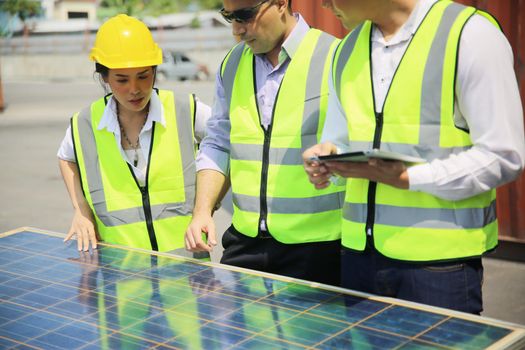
(267,175)
(125,213)
(417,119)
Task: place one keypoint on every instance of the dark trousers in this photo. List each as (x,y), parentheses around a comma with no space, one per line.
(453,285)
(318,261)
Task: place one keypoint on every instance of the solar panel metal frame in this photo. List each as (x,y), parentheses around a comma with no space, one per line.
(515,339)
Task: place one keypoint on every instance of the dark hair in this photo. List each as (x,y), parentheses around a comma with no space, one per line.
(289,4)
(104,72)
(101,69)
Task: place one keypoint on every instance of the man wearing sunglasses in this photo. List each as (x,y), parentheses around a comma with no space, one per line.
(432,79)
(271,94)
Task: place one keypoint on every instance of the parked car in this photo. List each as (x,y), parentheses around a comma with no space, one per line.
(178,66)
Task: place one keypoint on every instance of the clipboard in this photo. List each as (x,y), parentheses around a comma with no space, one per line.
(364,156)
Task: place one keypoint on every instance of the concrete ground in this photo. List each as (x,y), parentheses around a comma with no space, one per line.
(32,192)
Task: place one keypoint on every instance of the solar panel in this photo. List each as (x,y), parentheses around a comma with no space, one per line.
(53,297)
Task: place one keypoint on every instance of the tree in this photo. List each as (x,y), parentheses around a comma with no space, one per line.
(211,4)
(24,9)
(140,8)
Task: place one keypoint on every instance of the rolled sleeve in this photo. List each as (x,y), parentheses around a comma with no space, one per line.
(214,152)
(213,159)
(202,115)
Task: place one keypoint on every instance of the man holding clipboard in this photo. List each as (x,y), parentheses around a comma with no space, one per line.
(434,80)
(365,156)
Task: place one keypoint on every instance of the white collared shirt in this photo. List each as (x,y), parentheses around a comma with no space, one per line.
(487,103)
(109,121)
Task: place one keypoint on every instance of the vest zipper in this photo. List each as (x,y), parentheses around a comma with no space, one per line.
(264,183)
(265,160)
(149,219)
(145,197)
(372,186)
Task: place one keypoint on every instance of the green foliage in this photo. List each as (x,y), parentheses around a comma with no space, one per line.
(141,8)
(195,23)
(22,8)
(159,7)
(211,4)
(129,7)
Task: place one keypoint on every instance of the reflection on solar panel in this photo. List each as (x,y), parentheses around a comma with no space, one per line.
(53,298)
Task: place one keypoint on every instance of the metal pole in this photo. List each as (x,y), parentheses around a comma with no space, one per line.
(2,106)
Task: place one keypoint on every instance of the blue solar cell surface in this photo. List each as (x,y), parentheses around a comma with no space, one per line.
(53,297)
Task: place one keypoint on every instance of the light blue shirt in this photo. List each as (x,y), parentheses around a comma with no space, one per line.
(214,150)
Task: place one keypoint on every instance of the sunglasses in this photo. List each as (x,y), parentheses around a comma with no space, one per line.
(241,15)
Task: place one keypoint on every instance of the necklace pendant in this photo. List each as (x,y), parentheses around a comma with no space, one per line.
(135,159)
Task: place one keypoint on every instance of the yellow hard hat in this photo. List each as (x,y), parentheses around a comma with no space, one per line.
(125,42)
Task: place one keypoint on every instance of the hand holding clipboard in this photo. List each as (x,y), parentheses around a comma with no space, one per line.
(364,156)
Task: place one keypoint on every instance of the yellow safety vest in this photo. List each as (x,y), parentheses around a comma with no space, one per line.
(267,175)
(151,217)
(417,119)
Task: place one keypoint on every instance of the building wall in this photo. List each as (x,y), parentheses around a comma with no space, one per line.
(62,8)
(49,8)
(511,15)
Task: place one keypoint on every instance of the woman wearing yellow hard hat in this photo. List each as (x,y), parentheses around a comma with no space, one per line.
(128,158)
